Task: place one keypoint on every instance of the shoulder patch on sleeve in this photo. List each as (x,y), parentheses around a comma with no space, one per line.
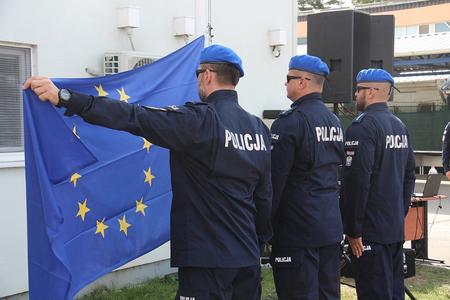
(359,118)
(353,143)
(351,147)
(275,138)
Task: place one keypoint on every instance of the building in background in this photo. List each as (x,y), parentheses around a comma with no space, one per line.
(82,39)
(421,64)
(422,47)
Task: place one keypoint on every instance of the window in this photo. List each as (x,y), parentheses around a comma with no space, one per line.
(424,29)
(400,32)
(15,67)
(302,41)
(412,30)
(442,27)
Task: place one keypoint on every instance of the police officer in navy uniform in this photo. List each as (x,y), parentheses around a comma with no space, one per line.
(220,166)
(446,150)
(378,183)
(307,152)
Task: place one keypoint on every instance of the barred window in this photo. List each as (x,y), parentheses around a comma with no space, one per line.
(15,68)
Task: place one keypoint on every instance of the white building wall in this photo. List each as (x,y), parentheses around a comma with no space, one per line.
(68,36)
(418,93)
(13,231)
(263,86)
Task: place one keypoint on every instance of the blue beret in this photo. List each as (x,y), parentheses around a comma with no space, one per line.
(309,63)
(374,75)
(221,54)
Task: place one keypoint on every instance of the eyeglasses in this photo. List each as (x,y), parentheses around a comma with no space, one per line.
(200,71)
(359,88)
(290,77)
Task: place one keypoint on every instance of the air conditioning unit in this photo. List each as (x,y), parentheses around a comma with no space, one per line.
(116,62)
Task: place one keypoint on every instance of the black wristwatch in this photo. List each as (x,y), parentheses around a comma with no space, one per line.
(64,96)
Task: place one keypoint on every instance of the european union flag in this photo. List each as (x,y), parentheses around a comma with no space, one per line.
(98,198)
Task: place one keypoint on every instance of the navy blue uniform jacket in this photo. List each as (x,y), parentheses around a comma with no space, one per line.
(308,150)
(379,176)
(446,148)
(220,166)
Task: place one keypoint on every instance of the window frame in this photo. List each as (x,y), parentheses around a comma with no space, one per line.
(412,30)
(17,158)
(400,31)
(422,26)
(444,23)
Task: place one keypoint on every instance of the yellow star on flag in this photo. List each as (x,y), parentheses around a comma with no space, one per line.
(101,91)
(140,207)
(82,209)
(101,227)
(124,225)
(74,179)
(147,145)
(123,96)
(74,130)
(149,176)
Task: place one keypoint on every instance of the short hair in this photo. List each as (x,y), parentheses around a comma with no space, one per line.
(226,73)
(317,80)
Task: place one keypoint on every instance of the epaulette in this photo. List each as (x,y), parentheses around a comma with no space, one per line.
(286,112)
(172,108)
(359,118)
(189,103)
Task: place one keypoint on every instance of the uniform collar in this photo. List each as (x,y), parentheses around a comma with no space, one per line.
(312,96)
(220,95)
(377,106)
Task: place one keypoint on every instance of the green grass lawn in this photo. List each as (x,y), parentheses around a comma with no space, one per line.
(429,283)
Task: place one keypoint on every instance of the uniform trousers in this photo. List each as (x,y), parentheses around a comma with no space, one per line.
(307,273)
(219,283)
(379,272)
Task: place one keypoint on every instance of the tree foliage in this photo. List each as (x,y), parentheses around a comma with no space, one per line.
(322,4)
(367,1)
(316,4)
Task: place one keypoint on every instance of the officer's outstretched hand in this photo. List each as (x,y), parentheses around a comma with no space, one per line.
(356,245)
(448,174)
(44,88)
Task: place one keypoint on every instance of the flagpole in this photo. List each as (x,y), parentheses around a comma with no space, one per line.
(210,28)
(202,20)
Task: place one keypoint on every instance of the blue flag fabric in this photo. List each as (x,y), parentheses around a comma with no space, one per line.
(98,198)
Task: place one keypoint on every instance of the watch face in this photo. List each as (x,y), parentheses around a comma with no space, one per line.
(65,95)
